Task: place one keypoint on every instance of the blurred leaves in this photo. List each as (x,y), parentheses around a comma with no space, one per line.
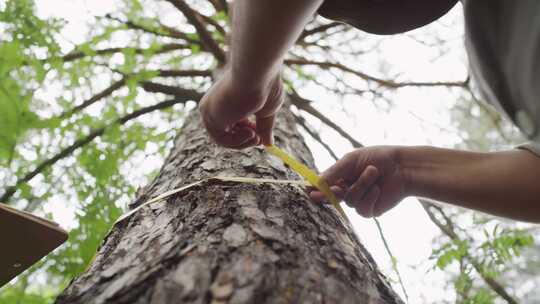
(42,76)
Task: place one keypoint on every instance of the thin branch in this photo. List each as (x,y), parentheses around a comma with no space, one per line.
(184,73)
(74,55)
(162,30)
(305,105)
(448,230)
(92,135)
(302,122)
(392,258)
(383,82)
(206,38)
(220,5)
(494,118)
(213,23)
(106,92)
(153,87)
(322,28)
(120,83)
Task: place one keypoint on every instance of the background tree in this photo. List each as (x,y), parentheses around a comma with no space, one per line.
(79,119)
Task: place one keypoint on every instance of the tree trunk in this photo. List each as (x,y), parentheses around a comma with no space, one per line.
(230,242)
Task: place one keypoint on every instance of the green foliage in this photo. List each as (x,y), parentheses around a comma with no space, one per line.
(501,246)
(18,294)
(94,223)
(24,39)
(23,26)
(463,283)
(450,252)
(90,185)
(483,296)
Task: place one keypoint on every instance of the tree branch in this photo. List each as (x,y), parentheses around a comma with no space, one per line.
(206,38)
(120,83)
(383,82)
(92,135)
(305,105)
(322,28)
(302,122)
(164,49)
(162,30)
(213,23)
(106,92)
(220,5)
(153,87)
(184,73)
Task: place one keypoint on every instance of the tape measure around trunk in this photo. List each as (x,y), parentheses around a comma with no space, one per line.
(309,175)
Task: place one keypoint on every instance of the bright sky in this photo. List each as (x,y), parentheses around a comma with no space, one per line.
(416,119)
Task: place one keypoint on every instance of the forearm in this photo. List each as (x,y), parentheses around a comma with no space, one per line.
(502,183)
(262,32)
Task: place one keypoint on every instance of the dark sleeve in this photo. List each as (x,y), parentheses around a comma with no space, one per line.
(503,44)
(385,17)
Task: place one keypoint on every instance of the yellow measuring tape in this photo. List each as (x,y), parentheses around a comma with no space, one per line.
(312,177)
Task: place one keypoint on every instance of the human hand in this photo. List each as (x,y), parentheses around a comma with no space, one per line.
(226,108)
(368,179)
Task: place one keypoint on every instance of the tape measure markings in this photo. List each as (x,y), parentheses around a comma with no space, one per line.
(312,177)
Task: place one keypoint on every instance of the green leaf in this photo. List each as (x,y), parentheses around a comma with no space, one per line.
(195,48)
(481,297)
(86,48)
(449,253)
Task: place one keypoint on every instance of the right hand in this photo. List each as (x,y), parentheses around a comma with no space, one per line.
(368,179)
(227,106)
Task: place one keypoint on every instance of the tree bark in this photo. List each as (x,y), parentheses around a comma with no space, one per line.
(229,242)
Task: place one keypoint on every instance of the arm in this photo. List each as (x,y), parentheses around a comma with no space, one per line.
(262,32)
(502,183)
(375,179)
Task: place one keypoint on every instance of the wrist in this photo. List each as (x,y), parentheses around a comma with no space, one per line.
(414,164)
(252,80)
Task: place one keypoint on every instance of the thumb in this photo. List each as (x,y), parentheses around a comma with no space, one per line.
(264,129)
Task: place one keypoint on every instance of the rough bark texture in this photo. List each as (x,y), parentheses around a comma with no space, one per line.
(225,242)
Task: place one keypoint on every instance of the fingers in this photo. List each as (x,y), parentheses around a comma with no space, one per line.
(236,138)
(366,206)
(319,197)
(264,129)
(363,195)
(246,123)
(361,186)
(254,141)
